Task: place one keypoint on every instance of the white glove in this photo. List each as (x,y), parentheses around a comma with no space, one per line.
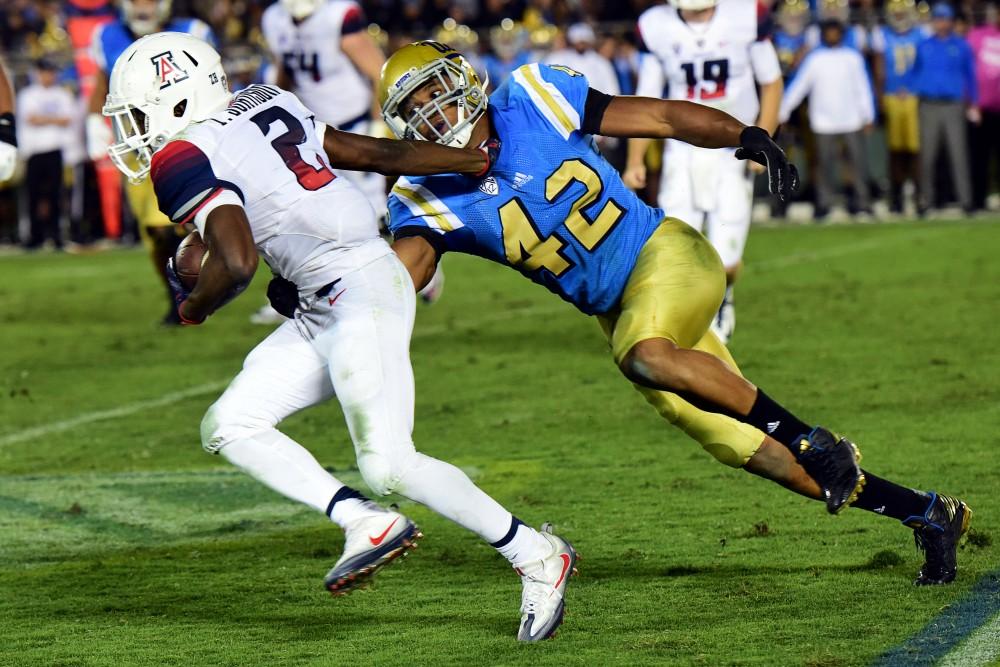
(98,137)
(8,160)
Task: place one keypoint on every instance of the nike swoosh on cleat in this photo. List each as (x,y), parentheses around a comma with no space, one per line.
(567,561)
(378,540)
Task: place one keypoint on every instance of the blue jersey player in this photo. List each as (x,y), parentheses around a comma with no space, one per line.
(555,210)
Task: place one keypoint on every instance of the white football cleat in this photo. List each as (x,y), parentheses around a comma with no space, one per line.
(267,315)
(433,290)
(371,543)
(544,583)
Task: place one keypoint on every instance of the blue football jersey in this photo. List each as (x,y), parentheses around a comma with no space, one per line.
(551,207)
(900,52)
(111,39)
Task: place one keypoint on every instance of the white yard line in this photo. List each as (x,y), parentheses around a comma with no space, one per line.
(438,329)
(981,648)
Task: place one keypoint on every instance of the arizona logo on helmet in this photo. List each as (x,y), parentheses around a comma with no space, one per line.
(167,69)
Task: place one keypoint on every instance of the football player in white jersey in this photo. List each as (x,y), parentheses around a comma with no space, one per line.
(253,172)
(714,52)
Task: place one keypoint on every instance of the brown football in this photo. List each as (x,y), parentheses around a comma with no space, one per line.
(188,259)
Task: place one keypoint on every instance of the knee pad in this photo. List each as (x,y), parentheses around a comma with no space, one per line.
(729,441)
(381,472)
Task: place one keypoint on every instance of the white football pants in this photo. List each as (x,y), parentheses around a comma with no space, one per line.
(352,343)
(710,190)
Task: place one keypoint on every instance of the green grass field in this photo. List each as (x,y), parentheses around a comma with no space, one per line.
(122,543)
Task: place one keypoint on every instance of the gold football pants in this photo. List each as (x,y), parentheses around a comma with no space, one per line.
(674,291)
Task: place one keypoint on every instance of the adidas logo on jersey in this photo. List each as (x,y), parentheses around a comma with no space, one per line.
(489,186)
(521,180)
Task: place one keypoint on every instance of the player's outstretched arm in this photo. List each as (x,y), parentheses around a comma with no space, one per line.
(701,126)
(229,265)
(393,157)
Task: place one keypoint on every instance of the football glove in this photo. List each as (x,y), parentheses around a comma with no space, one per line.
(8,146)
(757,145)
(283,295)
(178,291)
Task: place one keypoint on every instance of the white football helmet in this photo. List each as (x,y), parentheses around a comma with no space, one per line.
(147,17)
(694,5)
(300,9)
(161,84)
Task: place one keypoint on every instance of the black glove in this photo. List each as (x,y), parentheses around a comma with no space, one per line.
(283,295)
(491,151)
(782,177)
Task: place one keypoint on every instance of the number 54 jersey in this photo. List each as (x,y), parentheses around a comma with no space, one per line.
(551,207)
(264,153)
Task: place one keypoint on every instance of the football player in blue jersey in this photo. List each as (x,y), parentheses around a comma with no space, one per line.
(138,18)
(556,211)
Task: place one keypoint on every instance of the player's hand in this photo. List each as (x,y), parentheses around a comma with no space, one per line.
(179,292)
(972,114)
(99,137)
(491,151)
(635,176)
(757,145)
(8,146)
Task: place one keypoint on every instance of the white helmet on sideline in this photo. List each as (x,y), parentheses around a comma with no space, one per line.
(161,84)
(300,9)
(694,5)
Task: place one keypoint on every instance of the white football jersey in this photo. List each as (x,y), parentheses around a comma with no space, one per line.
(714,63)
(325,78)
(263,152)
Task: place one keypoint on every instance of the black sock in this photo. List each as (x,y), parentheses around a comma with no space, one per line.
(776,421)
(884,497)
(343,493)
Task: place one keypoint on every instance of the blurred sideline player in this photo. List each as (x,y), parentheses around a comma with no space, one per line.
(897,42)
(138,18)
(253,172)
(556,211)
(324,54)
(712,52)
(8,130)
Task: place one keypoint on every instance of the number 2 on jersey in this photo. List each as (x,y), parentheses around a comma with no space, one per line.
(523,244)
(287,146)
(712,71)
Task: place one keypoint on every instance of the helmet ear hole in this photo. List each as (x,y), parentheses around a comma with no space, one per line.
(180,108)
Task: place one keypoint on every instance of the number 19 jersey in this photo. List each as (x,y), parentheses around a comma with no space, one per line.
(714,63)
(551,207)
(263,152)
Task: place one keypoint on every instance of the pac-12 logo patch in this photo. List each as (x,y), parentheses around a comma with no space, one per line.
(489,186)
(167,69)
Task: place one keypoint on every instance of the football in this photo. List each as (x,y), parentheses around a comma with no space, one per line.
(188,259)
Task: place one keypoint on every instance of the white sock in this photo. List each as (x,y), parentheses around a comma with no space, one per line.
(277,461)
(524,545)
(449,492)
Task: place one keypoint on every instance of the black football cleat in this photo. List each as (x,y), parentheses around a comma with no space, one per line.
(833,462)
(938,533)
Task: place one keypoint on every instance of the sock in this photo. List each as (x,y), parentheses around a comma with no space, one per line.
(884,497)
(522,543)
(282,464)
(348,505)
(776,421)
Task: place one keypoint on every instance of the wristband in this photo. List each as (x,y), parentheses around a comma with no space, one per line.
(485,170)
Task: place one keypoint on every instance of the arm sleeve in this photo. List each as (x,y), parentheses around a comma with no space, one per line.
(184,181)
(798,89)
(354,21)
(558,94)
(764,60)
(593,111)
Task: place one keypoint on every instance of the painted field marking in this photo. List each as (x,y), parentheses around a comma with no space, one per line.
(967,619)
(438,329)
